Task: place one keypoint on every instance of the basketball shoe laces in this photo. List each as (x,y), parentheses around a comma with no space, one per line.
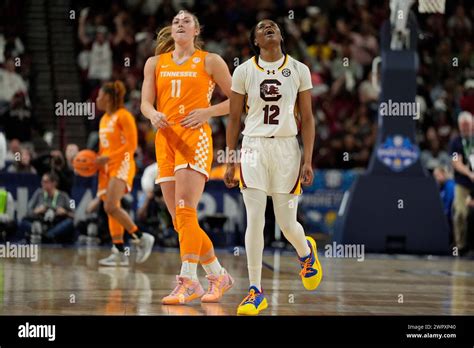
(306,266)
(179,289)
(214,283)
(250,297)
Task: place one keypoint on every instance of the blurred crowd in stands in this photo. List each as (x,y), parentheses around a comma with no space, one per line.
(114,39)
(117,37)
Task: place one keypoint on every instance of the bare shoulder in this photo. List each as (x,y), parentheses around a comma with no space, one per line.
(151,62)
(213,59)
(214,64)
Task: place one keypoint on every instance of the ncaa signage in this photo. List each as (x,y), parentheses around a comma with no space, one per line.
(398,152)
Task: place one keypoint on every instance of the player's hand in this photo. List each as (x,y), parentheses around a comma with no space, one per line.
(158,120)
(307,174)
(471,176)
(102,160)
(196,118)
(229,176)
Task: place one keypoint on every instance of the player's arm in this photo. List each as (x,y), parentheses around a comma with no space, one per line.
(307,135)
(101,160)
(219,71)
(233,122)
(237,101)
(303,101)
(217,68)
(147,107)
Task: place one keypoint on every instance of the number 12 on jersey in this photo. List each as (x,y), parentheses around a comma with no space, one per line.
(175,88)
(270,112)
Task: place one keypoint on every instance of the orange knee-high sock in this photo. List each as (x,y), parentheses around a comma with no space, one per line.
(134,231)
(190,236)
(116,230)
(207,249)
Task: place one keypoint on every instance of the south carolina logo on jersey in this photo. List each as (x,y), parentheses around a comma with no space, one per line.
(269,90)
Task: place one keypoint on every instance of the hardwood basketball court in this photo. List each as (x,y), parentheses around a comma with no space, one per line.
(68,281)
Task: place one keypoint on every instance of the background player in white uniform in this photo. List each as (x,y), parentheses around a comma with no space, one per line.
(272,86)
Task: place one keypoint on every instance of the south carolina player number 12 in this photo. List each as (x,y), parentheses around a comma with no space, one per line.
(270,114)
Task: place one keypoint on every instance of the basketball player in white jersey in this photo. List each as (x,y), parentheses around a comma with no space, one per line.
(273,87)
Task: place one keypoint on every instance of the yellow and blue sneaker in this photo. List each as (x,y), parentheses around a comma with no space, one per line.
(253,303)
(311,270)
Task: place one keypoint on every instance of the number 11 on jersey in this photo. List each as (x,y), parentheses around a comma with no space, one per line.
(175,88)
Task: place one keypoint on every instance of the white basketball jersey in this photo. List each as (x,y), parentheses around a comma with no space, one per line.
(271,89)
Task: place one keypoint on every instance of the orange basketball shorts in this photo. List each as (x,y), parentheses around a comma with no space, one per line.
(178,147)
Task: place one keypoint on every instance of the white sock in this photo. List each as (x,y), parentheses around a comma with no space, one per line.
(285,207)
(255,276)
(255,204)
(189,270)
(214,268)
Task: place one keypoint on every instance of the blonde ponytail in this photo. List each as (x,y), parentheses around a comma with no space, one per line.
(164,41)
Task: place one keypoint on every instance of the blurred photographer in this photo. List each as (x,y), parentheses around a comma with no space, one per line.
(446,186)
(24,164)
(71,151)
(54,162)
(50,216)
(462,153)
(152,214)
(94,228)
(469,250)
(63,172)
